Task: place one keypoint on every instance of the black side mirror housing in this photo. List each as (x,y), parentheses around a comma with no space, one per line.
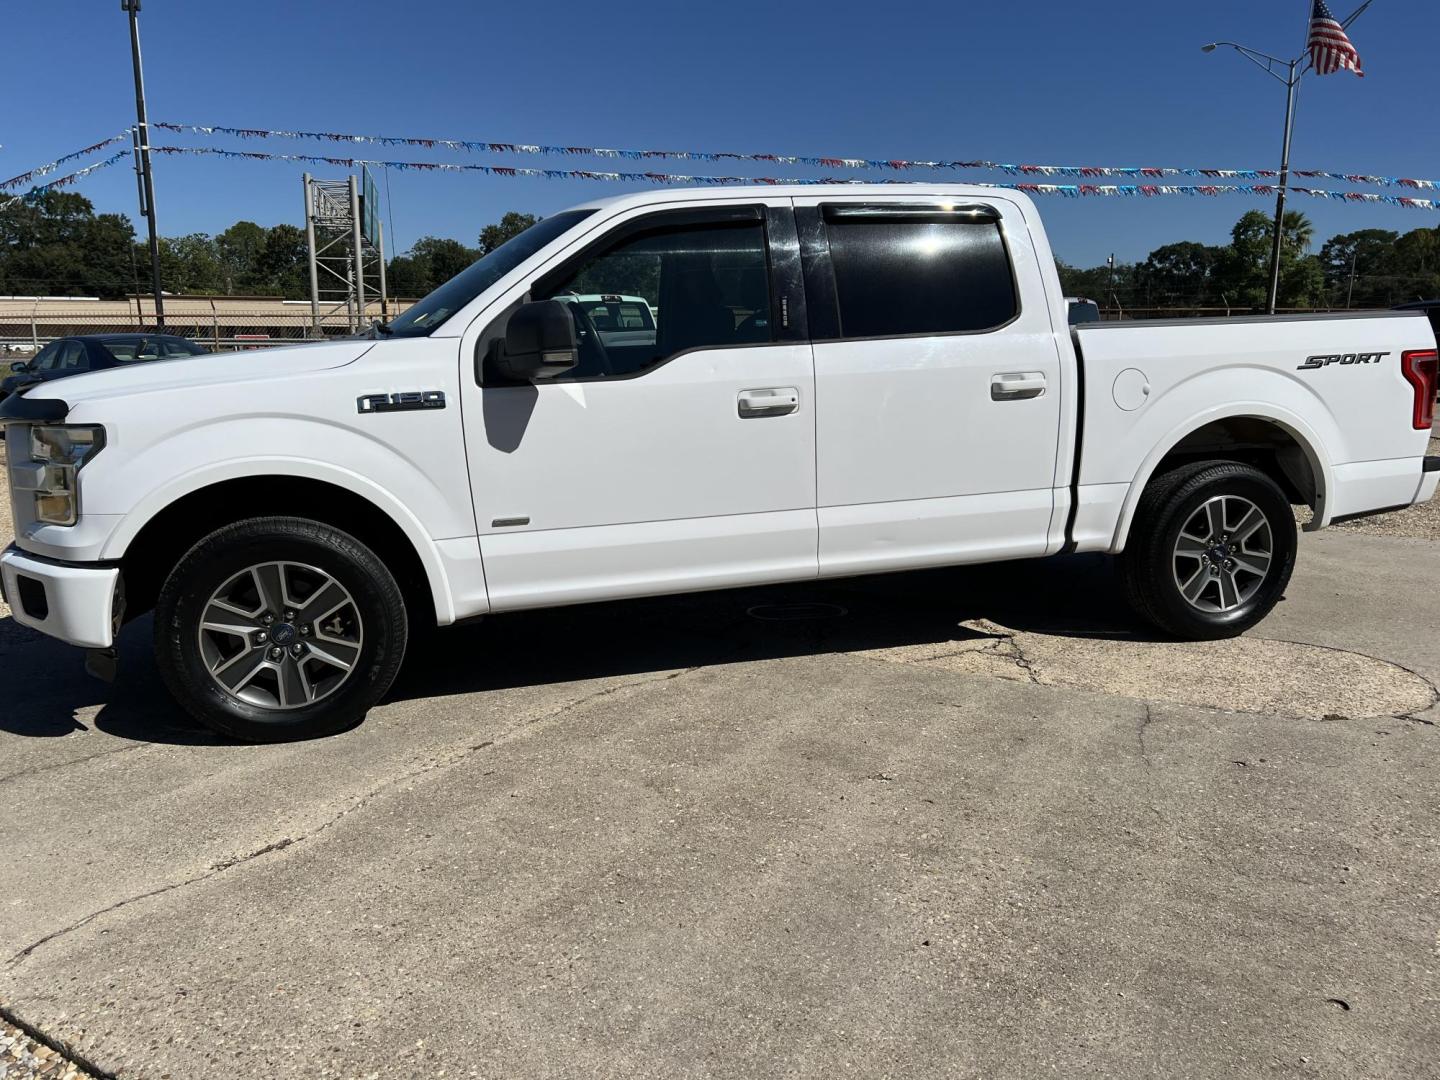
(539,343)
(19,367)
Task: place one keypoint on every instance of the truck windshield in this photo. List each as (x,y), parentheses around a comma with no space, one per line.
(449,298)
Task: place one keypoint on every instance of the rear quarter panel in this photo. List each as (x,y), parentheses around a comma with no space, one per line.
(1352,419)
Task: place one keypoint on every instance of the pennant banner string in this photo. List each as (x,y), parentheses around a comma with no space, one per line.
(45,170)
(1072,191)
(66,181)
(1080,171)
(1063,190)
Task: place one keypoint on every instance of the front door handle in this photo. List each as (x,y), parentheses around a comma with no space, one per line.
(772,401)
(1017,385)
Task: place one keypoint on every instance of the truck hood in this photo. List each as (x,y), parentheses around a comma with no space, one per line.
(212,369)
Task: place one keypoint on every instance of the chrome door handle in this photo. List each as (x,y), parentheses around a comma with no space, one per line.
(772,401)
(1017,385)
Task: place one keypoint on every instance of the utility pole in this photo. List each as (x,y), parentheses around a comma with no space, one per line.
(142,151)
(1350,294)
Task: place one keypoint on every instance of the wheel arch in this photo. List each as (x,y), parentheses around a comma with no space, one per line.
(1275,440)
(150,541)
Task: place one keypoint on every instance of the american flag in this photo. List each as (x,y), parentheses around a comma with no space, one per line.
(1330,48)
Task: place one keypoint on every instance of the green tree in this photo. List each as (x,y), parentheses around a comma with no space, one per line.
(430,263)
(1178,275)
(240,247)
(1242,273)
(406,277)
(282,266)
(55,244)
(512,224)
(189,264)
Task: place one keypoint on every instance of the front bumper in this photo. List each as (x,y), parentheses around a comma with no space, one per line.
(79,604)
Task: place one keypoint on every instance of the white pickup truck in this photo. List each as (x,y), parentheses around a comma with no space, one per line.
(840,381)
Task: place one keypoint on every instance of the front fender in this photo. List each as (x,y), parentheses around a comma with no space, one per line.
(422,488)
(241,468)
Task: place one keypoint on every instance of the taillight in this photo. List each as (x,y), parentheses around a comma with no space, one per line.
(1422,371)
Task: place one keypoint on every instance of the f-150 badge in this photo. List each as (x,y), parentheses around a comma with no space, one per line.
(1344,359)
(410,399)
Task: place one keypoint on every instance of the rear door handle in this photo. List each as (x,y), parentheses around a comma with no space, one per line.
(1017,385)
(771,401)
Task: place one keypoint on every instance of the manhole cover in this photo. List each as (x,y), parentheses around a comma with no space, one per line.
(795,612)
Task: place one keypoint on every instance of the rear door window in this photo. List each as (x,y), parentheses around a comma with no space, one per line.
(71,357)
(907,271)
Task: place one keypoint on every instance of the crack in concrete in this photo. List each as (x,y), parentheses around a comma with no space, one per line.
(1006,644)
(1140,729)
(434,765)
(1023,662)
(21,773)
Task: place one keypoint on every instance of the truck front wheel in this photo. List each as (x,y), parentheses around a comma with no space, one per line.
(279,628)
(1211,550)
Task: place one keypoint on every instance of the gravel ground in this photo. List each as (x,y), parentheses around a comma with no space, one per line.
(1418,522)
(1415,523)
(22,1058)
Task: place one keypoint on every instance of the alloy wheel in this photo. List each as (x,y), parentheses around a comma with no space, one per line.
(280,635)
(1223,554)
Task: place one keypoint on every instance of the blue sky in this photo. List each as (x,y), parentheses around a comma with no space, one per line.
(1112,83)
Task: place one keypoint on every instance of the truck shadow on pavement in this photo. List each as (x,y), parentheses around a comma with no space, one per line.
(48,695)
(1071,596)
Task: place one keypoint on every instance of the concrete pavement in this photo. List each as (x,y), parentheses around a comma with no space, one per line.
(670,838)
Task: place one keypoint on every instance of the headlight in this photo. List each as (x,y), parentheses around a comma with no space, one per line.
(61,452)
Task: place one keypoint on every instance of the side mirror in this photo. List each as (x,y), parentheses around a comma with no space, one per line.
(19,367)
(539,343)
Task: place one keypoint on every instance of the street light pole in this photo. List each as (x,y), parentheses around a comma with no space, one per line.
(1294,71)
(142,139)
(1292,83)
(1272,66)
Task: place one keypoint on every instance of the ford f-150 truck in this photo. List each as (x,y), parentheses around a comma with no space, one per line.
(840,381)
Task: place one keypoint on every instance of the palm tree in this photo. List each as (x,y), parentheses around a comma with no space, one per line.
(1297,232)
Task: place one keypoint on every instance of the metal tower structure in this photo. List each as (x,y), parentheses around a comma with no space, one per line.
(346,243)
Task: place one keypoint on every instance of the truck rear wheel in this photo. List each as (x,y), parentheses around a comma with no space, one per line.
(279,628)
(1211,550)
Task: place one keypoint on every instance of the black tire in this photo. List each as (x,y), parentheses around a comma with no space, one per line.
(375,608)
(1150,567)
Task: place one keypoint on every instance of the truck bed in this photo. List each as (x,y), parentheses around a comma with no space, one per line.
(1331,383)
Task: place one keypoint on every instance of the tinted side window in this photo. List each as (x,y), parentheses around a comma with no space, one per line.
(707,284)
(72,357)
(897,277)
(121,350)
(45,359)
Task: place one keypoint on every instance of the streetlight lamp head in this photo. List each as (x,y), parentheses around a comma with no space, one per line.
(1209,48)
